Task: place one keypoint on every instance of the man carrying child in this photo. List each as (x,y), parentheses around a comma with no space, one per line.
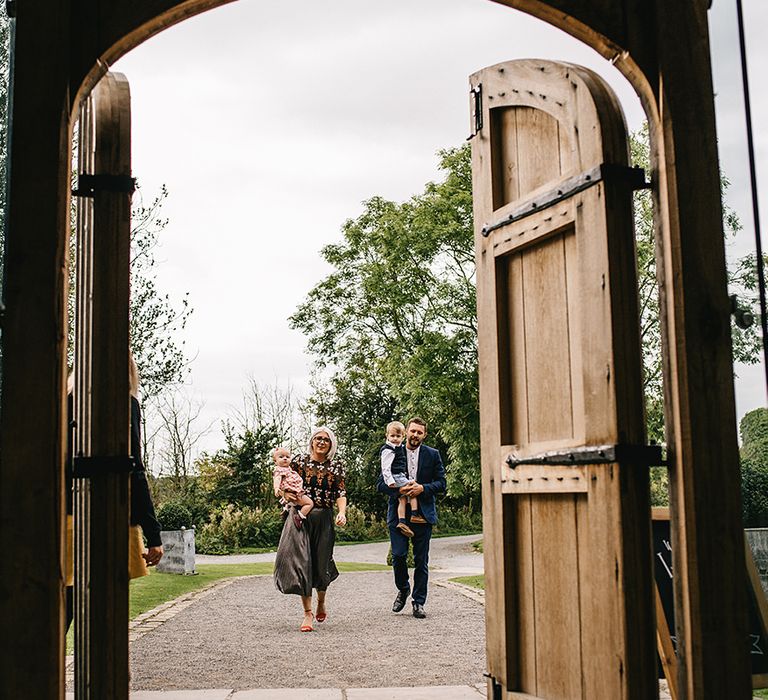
(425,479)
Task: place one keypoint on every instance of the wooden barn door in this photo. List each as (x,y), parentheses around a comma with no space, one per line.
(101,398)
(569,603)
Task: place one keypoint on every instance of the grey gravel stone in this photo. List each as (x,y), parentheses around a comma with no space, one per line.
(246,636)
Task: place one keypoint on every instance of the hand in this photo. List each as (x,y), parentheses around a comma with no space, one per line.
(277,493)
(411,489)
(153,555)
(290,497)
(341,519)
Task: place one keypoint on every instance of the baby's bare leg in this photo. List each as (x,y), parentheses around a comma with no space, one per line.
(401,508)
(306,503)
(414,505)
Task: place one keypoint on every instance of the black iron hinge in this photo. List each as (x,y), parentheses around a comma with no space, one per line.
(476,95)
(634,178)
(646,455)
(88,467)
(91,185)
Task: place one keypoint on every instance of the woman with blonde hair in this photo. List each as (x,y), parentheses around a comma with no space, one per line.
(142,508)
(304,558)
(142,513)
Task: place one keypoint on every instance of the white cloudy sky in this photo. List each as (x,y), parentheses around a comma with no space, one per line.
(270,123)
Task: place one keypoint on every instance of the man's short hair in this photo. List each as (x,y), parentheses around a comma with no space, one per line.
(395,424)
(418,421)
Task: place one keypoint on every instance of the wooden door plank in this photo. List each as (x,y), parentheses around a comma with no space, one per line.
(103,399)
(547,357)
(526,595)
(556,585)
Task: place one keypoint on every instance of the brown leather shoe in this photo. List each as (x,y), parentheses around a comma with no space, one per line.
(404,529)
(418,519)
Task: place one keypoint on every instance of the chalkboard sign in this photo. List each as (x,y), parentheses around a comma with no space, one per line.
(662,558)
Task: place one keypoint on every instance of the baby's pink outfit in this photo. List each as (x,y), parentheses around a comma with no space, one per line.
(290,480)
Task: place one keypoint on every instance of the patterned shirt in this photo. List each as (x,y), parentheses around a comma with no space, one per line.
(323,481)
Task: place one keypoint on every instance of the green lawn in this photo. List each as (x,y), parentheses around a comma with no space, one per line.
(150,591)
(474,581)
(763,693)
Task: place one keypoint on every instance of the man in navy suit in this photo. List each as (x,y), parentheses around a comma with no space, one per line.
(426,476)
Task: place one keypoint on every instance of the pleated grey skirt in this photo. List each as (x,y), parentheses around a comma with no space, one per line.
(304,558)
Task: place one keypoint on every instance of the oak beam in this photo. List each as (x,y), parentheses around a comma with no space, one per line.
(33,356)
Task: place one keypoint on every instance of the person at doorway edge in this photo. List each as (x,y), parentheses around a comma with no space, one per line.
(426,476)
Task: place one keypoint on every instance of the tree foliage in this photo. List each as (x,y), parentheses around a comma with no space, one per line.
(754,468)
(241,473)
(742,281)
(155,320)
(395,325)
(5,45)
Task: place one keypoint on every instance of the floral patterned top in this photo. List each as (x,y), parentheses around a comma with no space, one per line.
(323,481)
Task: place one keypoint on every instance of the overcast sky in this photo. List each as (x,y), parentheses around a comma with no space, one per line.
(271,123)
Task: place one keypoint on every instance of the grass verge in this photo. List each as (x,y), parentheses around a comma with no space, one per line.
(150,591)
(473,581)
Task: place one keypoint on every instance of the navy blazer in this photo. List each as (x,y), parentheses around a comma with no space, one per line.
(430,473)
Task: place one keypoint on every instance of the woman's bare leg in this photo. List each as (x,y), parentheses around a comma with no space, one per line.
(320,603)
(306,601)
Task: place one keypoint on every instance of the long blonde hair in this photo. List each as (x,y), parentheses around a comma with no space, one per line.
(133,376)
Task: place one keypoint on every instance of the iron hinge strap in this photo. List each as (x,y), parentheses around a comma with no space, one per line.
(91,185)
(647,455)
(88,467)
(633,177)
(477,110)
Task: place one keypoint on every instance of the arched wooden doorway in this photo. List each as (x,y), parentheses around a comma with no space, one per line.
(61,51)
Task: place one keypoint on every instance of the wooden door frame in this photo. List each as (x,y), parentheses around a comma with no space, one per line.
(64,46)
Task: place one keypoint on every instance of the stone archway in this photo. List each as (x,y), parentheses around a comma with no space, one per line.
(62,50)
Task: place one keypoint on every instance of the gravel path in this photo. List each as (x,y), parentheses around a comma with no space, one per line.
(245,635)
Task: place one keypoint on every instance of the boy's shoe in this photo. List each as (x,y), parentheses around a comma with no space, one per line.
(418,519)
(405,529)
(298,521)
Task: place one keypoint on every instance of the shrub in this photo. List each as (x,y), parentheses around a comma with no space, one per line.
(173,515)
(409,558)
(360,527)
(754,493)
(458,520)
(754,468)
(231,528)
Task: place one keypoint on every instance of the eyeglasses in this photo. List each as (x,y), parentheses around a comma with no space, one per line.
(322,439)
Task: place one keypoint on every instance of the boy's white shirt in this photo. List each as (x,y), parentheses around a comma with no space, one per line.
(387,458)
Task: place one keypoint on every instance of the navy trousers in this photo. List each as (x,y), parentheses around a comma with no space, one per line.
(421,537)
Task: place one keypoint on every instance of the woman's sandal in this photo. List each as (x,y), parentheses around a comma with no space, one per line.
(305,627)
(321,616)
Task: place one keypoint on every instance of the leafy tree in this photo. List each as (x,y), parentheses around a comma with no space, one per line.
(395,324)
(742,281)
(155,320)
(241,472)
(754,468)
(5,45)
